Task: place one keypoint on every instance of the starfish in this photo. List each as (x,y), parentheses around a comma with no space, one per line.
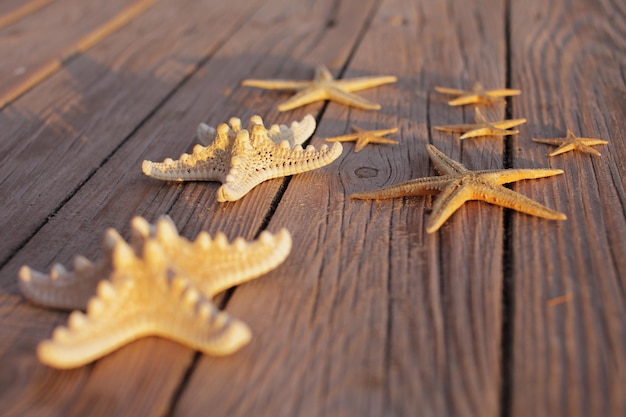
(162,285)
(363,137)
(296,134)
(482,127)
(573,142)
(477,95)
(242,158)
(458,184)
(324,87)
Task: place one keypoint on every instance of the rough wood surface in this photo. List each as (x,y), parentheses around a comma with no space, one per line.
(35,48)
(568,284)
(368,316)
(498,313)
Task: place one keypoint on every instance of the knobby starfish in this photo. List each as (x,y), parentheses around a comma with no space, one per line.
(241,159)
(324,87)
(573,142)
(477,95)
(458,184)
(161,284)
(482,127)
(296,134)
(363,137)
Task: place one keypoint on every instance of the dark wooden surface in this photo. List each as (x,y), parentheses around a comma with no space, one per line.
(496,314)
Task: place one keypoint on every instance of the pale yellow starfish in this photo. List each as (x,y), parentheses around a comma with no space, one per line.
(458,184)
(363,137)
(573,142)
(324,87)
(477,95)
(159,285)
(482,127)
(242,158)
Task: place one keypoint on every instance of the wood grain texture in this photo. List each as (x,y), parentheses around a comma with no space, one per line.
(497,314)
(35,48)
(12,11)
(99,204)
(168,57)
(368,316)
(55,137)
(569,354)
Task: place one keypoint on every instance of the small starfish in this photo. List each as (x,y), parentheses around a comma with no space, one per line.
(573,142)
(241,159)
(363,137)
(324,87)
(477,95)
(159,285)
(458,184)
(482,127)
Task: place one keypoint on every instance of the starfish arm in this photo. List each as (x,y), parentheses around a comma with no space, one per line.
(142,300)
(591,142)
(505,176)
(415,187)
(503,92)
(344,97)
(588,149)
(507,124)
(61,289)
(381,132)
(564,147)
(554,141)
(455,128)
(276,162)
(323,74)
(168,170)
(343,138)
(443,164)
(363,83)
(450,200)
(450,91)
(304,97)
(303,129)
(205,134)
(502,196)
(488,131)
(283,85)
(214,265)
(466,99)
(67,290)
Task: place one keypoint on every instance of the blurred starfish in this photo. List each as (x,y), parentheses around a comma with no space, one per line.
(458,184)
(573,142)
(477,95)
(324,87)
(162,285)
(363,137)
(482,127)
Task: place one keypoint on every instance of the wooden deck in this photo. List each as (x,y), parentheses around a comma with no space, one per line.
(497,314)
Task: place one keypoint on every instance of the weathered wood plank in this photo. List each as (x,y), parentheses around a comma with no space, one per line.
(569,281)
(369,315)
(59,133)
(75,228)
(12,11)
(108,93)
(35,48)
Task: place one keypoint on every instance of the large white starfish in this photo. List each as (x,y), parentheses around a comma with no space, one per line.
(242,158)
(161,284)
